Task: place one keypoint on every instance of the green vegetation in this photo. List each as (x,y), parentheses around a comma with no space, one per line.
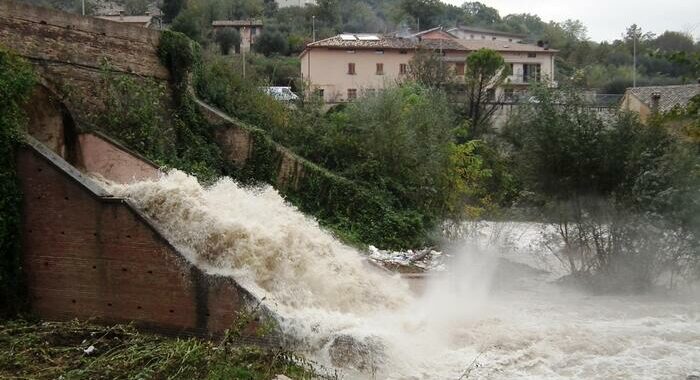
(623,195)
(602,66)
(52,350)
(400,149)
(16,82)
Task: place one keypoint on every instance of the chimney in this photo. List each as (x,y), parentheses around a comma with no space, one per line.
(655,97)
(540,43)
(121,15)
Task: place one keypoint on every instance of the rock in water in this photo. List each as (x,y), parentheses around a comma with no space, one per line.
(349,352)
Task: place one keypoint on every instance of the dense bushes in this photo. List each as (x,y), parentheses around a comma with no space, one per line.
(397,148)
(623,195)
(16,82)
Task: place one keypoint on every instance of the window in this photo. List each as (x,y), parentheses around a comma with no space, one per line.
(403,69)
(352,93)
(459,68)
(350,51)
(351,69)
(531,72)
(491,94)
(510,67)
(532,55)
(379,51)
(403,52)
(380,69)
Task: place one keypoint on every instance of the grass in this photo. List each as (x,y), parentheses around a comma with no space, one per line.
(60,350)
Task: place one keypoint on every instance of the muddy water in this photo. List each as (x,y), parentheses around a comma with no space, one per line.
(485,317)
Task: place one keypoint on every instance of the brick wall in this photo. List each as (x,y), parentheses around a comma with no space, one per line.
(68,51)
(87,255)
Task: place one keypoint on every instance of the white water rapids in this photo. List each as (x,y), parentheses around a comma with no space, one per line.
(485,318)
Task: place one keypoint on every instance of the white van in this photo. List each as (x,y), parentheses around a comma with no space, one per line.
(281,93)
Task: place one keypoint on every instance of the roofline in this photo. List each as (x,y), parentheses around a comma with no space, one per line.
(440,28)
(485,30)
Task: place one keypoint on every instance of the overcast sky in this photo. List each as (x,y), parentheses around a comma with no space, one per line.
(608,19)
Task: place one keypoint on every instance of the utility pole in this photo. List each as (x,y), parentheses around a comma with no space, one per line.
(313,28)
(83,5)
(634,60)
(243,51)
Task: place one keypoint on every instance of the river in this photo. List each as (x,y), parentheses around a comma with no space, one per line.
(491,313)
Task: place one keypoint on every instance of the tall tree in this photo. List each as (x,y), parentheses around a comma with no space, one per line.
(428,68)
(486,70)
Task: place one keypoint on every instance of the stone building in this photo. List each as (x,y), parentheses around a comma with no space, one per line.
(248,29)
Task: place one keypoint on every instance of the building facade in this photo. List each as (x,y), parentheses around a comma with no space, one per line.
(346,66)
(249,30)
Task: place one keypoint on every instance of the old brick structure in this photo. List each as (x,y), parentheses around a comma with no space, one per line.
(88,255)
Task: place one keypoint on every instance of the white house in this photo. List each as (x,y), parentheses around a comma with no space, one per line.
(345,66)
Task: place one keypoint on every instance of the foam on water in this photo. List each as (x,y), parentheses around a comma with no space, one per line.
(323,289)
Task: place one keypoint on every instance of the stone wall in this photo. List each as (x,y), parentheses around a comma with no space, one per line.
(88,255)
(69,51)
(100,155)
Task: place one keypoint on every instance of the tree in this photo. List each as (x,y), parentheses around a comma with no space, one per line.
(480,14)
(228,38)
(171,8)
(136,7)
(271,8)
(486,70)
(428,68)
(674,41)
(188,23)
(271,41)
(425,12)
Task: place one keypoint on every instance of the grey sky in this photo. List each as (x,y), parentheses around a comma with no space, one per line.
(608,19)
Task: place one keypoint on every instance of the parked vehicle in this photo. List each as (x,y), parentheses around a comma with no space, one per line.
(281,93)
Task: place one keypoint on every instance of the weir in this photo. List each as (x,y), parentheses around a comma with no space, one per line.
(89,255)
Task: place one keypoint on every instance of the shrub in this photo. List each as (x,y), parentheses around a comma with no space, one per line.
(16,82)
(227,39)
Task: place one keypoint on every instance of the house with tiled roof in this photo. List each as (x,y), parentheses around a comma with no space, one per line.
(343,67)
(649,100)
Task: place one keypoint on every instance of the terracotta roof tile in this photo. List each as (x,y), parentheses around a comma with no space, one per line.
(386,42)
(670,95)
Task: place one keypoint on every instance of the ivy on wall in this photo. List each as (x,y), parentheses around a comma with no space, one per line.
(16,82)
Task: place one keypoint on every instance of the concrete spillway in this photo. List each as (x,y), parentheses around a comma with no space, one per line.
(89,255)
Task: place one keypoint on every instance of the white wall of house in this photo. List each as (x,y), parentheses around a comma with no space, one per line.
(294,3)
(327,69)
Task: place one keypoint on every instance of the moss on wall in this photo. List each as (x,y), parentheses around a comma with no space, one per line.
(16,82)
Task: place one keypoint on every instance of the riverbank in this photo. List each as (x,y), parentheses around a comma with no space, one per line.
(80,350)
